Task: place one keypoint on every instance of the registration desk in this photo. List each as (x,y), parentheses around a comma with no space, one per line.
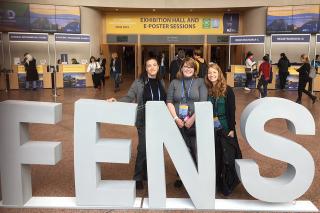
(237,78)
(73,76)
(293,79)
(17,79)
(2,81)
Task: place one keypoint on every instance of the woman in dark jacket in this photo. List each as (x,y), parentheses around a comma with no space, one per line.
(115,70)
(31,71)
(304,78)
(148,87)
(226,143)
(283,65)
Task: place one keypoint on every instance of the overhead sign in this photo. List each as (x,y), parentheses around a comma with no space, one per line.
(131,39)
(165,23)
(217,39)
(295,38)
(28,37)
(72,37)
(247,39)
(318,38)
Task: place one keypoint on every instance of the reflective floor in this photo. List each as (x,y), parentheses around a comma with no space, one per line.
(59,180)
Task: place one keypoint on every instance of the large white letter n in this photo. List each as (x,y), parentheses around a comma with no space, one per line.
(162,130)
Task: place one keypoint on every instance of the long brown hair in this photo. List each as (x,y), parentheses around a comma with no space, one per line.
(190,62)
(220,88)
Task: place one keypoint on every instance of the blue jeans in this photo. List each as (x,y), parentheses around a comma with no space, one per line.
(263,83)
(34,84)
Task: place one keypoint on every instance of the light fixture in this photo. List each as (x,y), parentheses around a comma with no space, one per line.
(116,9)
(154,10)
(190,10)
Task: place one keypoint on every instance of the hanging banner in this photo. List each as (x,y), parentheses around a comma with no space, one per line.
(28,37)
(165,23)
(71,37)
(231,23)
(318,38)
(254,39)
(291,38)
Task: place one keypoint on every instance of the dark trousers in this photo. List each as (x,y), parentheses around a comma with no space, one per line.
(189,138)
(96,78)
(218,157)
(283,79)
(310,84)
(262,83)
(302,89)
(116,78)
(248,79)
(140,170)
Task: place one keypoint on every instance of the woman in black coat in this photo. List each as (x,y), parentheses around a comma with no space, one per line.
(226,142)
(30,66)
(304,71)
(283,65)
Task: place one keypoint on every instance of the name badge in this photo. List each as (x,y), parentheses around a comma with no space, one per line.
(183,111)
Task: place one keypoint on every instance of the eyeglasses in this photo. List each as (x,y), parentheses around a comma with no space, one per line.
(188,67)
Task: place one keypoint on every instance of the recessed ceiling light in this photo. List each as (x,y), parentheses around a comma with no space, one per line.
(190,10)
(228,10)
(117,9)
(154,10)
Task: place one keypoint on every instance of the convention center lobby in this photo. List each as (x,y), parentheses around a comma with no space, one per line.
(155,106)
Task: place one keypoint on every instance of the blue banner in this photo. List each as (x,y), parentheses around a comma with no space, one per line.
(247,39)
(28,37)
(318,38)
(291,38)
(72,38)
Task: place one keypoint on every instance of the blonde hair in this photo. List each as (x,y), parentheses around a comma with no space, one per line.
(190,62)
(219,89)
(305,57)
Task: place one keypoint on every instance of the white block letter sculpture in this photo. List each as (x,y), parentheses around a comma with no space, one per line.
(300,171)
(162,131)
(90,150)
(17,152)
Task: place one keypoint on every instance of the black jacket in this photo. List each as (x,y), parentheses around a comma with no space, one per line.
(117,66)
(230,108)
(304,72)
(283,65)
(31,70)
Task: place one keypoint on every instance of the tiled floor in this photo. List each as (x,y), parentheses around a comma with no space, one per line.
(59,180)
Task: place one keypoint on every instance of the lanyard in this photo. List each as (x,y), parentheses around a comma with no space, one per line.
(183,93)
(152,91)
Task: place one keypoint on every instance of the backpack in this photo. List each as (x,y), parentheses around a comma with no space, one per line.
(202,68)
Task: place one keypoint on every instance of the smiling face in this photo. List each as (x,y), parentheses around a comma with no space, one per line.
(152,68)
(187,70)
(213,75)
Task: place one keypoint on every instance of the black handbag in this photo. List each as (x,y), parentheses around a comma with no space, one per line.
(229,178)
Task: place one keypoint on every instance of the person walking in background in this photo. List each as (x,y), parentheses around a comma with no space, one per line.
(264,76)
(103,62)
(30,66)
(250,66)
(315,63)
(115,70)
(95,70)
(283,65)
(163,65)
(176,64)
(304,78)
(148,87)
(202,66)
